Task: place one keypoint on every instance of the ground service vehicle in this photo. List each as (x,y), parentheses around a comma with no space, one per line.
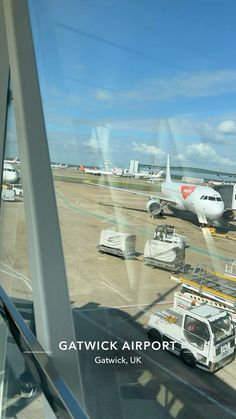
(214,286)
(7,194)
(18,189)
(203,335)
(117,243)
(166,250)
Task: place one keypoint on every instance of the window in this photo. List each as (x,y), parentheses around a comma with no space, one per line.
(115,103)
(196,332)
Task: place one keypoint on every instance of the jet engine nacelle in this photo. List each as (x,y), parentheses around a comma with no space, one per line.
(228,215)
(153,207)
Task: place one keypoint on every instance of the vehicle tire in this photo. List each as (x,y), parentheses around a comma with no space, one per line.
(188,358)
(154,336)
(20,194)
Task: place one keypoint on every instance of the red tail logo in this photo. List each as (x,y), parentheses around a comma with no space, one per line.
(186,190)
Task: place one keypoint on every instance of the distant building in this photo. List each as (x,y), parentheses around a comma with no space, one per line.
(133,166)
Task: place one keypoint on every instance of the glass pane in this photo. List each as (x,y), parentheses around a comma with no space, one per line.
(20,396)
(125,85)
(14,264)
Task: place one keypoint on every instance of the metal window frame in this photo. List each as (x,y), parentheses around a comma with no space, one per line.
(39,363)
(52,308)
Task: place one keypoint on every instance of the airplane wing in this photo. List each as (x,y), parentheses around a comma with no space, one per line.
(161,199)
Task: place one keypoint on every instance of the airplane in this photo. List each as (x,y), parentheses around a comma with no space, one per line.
(59,166)
(156,176)
(95,171)
(149,176)
(15,161)
(10,174)
(203,201)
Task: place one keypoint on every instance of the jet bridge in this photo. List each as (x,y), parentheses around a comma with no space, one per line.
(228,194)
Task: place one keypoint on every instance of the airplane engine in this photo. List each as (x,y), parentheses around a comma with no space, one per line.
(228,215)
(153,207)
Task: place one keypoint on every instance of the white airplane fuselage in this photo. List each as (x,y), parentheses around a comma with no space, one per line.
(10,174)
(203,201)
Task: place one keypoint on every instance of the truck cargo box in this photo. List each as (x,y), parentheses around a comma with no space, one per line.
(116,243)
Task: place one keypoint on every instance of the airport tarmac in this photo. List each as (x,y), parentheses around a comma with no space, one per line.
(93,209)
(112,298)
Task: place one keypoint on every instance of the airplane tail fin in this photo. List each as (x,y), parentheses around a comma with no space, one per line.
(168,178)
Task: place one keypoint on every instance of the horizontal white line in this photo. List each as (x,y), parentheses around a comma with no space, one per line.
(116,291)
(37,352)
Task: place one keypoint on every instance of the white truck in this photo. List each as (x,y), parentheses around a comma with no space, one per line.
(203,335)
(18,189)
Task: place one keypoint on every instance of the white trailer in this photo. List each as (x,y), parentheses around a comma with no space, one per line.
(166,250)
(117,243)
(8,195)
(203,336)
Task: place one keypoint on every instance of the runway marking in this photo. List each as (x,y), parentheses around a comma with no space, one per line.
(26,281)
(182,380)
(12,269)
(147,233)
(16,274)
(116,291)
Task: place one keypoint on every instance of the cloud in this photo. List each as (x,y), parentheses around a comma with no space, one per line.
(195,84)
(227,127)
(103,95)
(222,132)
(203,151)
(148,149)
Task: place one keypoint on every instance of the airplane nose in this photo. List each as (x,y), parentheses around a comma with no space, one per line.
(215,211)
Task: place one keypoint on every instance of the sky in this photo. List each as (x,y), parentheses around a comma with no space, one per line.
(128,79)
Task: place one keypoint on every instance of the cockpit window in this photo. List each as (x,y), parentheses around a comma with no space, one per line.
(211,198)
(214,198)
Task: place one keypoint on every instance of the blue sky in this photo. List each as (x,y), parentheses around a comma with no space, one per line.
(130,79)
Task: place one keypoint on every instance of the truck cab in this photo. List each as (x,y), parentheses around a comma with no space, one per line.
(203,336)
(17,188)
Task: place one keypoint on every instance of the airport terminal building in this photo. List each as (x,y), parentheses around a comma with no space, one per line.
(180,172)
